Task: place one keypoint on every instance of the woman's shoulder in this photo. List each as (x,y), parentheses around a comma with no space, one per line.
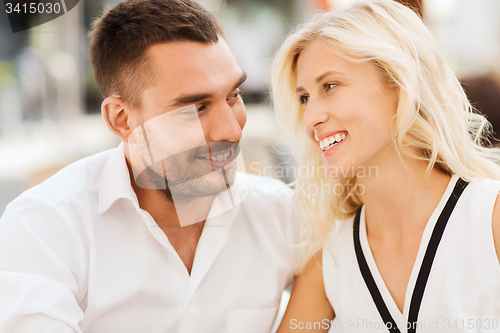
(485,200)
(483,191)
(494,186)
(340,238)
(342,228)
(486,184)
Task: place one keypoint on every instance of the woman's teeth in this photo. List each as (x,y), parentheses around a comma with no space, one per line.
(331,141)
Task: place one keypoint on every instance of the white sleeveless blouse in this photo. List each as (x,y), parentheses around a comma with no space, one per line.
(462,293)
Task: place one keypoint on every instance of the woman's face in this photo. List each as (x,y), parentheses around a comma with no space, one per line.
(349,111)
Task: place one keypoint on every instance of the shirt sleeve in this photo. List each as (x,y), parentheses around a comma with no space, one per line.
(41,270)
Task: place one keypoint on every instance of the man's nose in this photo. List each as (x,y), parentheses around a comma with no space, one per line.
(314,115)
(224,125)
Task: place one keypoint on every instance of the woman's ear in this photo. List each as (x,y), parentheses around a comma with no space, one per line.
(116,113)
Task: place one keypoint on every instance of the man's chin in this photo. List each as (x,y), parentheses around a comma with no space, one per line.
(220,179)
(208,185)
(214,182)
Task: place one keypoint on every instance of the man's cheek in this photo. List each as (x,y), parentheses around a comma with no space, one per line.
(178,132)
(172,134)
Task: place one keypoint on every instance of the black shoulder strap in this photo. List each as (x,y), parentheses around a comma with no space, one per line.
(425,269)
(430,253)
(390,324)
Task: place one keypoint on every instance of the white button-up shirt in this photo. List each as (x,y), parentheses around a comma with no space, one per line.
(78,254)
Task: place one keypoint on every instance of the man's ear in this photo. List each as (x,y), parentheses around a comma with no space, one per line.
(116,113)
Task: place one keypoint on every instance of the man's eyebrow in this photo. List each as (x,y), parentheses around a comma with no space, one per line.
(242,79)
(190,99)
(194,98)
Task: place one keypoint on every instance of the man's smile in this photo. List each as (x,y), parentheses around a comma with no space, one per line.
(219,160)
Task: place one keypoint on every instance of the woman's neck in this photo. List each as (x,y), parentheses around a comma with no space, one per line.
(401,197)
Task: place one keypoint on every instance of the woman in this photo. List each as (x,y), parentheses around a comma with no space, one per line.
(396,157)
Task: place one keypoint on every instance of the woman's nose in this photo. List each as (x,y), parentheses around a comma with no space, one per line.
(314,115)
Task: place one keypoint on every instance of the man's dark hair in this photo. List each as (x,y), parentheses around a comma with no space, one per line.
(120,37)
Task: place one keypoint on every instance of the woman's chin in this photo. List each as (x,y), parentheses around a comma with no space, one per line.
(339,171)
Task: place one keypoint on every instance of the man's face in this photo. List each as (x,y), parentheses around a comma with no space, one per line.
(191,121)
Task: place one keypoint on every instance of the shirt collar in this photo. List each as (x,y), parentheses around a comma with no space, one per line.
(115,181)
(115,184)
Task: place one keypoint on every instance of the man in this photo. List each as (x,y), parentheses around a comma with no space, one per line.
(160,234)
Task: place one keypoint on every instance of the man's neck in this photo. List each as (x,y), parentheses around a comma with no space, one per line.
(181,222)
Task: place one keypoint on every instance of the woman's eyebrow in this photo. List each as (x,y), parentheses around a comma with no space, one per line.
(322,76)
(299,90)
(319,78)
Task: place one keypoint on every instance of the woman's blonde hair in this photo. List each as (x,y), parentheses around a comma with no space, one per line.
(433,116)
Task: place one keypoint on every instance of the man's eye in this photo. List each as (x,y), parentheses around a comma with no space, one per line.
(303,99)
(193,112)
(235,95)
(201,108)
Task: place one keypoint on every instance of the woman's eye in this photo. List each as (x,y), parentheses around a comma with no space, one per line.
(201,108)
(329,86)
(303,99)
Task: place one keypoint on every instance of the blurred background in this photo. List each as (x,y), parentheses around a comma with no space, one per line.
(50,105)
